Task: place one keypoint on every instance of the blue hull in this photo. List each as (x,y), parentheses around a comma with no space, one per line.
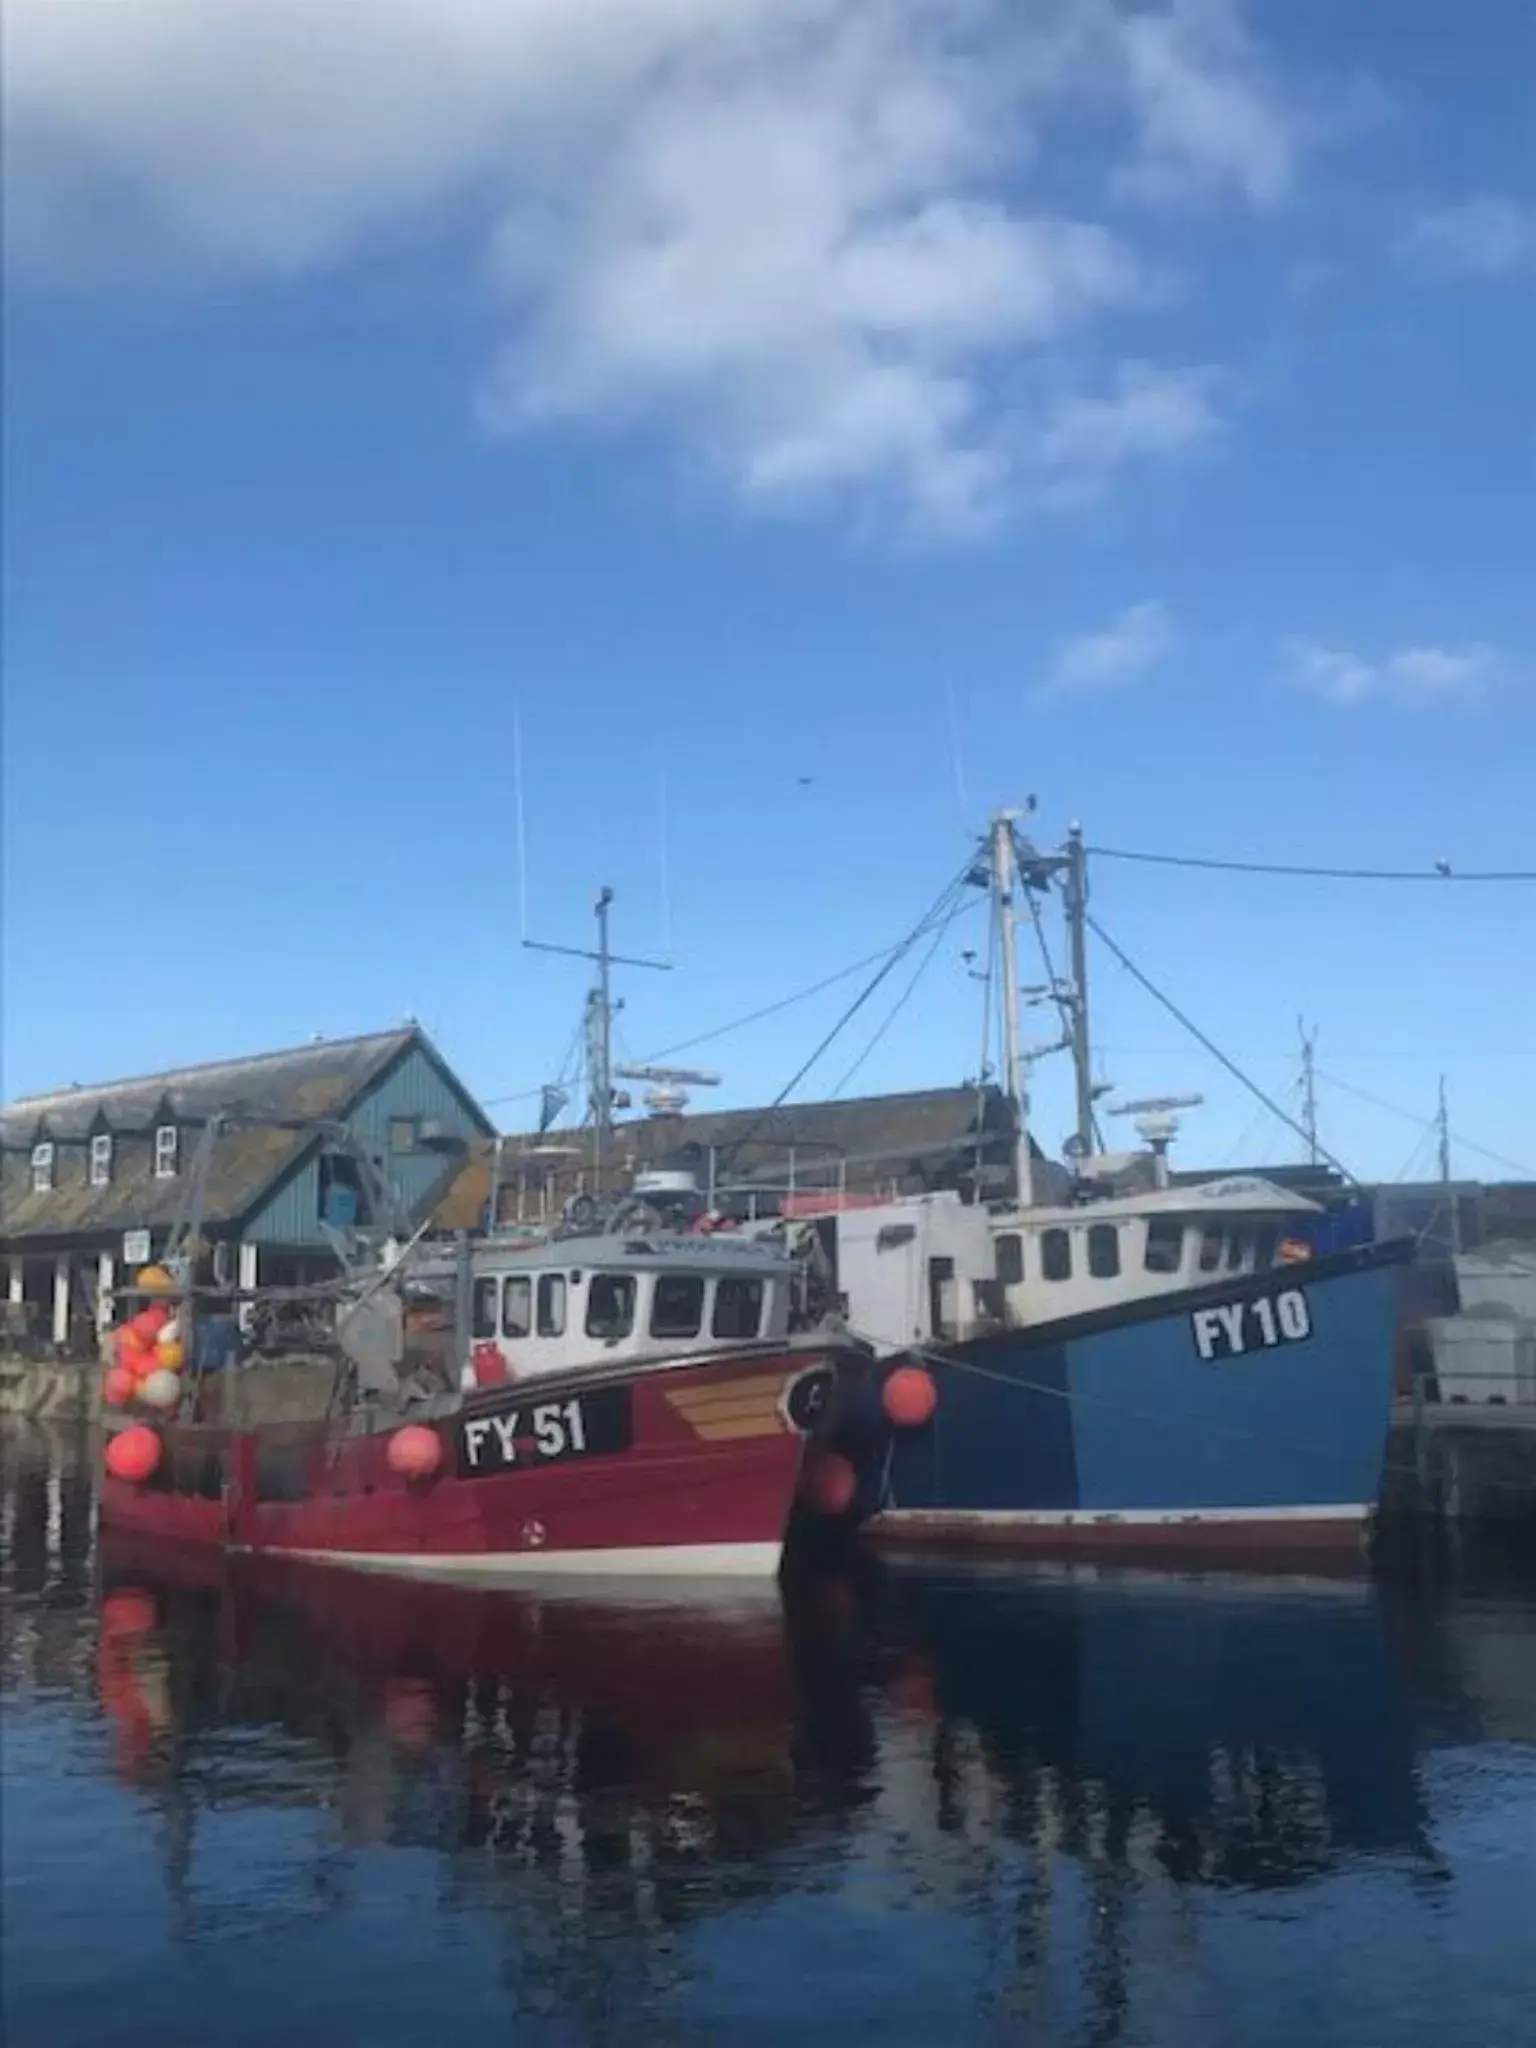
(1251,1411)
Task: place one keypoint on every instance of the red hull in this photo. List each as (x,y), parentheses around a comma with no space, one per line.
(670,1467)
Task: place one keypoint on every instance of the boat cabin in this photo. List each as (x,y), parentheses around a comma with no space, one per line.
(564,1303)
(934,1269)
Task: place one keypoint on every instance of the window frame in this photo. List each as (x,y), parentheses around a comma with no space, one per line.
(411,1125)
(167,1154)
(1097,1233)
(1015,1238)
(675,1332)
(627,1290)
(1158,1229)
(510,1281)
(1213,1246)
(1056,1236)
(44,1161)
(99,1160)
(484,1307)
(550,1321)
(745,1281)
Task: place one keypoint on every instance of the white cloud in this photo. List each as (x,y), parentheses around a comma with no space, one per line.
(805,236)
(1411,675)
(1205,115)
(1483,237)
(1137,641)
(1085,441)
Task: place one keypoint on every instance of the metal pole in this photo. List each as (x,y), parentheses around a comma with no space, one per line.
(1308,1088)
(1443,1123)
(603,1082)
(1005,886)
(1077,931)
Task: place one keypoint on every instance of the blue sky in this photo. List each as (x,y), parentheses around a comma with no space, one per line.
(724,391)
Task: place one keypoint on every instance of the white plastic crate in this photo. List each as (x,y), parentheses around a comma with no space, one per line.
(1485,1358)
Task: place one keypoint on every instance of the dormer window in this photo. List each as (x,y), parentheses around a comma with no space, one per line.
(166,1148)
(101,1160)
(42,1167)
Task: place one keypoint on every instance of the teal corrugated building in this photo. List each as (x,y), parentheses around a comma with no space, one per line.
(93,1179)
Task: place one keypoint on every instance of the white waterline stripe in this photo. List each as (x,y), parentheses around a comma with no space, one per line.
(1099,1518)
(702,1560)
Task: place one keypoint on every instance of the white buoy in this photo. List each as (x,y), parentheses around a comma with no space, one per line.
(161,1389)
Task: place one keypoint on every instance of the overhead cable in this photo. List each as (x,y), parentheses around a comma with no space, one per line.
(1441,872)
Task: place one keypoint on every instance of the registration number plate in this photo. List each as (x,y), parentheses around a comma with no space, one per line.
(1229,1329)
(533,1432)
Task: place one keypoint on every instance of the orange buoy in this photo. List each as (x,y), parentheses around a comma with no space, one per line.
(154,1280)
(170,1357)
(909,1397)
(133,1454)
(415,1452)
(146,1326)
(117,1387)
(828,1483)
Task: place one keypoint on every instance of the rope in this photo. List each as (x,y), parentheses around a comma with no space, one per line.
(1215,1050)
(1320,874)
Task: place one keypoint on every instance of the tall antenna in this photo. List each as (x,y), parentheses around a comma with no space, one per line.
(1443,1133)
(1309,1088)
(521,825)
(599,1026)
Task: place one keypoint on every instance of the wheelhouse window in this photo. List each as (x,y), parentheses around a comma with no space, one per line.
(1009,1253)
(42,1168)
(677,1307)
(482,1309)
(167,1149)
(101,1160)
(1210,1248)
(517,1305)
(1266,1242)
(1237,1245)
(611,1306)
(1165,1245)
(1104,1251)
(1056,1254)
(738,1308)
(551,1304)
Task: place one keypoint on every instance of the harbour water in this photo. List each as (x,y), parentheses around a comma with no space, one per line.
(1084,1807)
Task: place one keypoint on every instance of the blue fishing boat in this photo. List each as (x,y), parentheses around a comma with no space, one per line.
(1101,1360)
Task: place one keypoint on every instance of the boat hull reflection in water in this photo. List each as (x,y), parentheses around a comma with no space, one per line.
(1073,1805)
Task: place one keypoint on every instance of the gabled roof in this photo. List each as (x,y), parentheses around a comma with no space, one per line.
(320,1081)
(880,1137)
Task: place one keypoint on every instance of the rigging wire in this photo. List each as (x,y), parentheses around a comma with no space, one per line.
(896,1008)
(1320,874)
(1426,1123)
(758,1016)
(1211,1047)
(944,910)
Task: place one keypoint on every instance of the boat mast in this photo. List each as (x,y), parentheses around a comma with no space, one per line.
(1005,884)
(599,1028)
(1077,937)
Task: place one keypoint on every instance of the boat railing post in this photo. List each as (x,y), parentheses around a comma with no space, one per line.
(463,1302)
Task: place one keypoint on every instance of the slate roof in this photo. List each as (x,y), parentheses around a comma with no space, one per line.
(911,1138)
(321,1080)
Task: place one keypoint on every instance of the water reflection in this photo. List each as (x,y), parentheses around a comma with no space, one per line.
(1065,1765)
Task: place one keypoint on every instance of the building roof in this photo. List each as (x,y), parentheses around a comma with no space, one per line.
(879,1137)
(319,1081)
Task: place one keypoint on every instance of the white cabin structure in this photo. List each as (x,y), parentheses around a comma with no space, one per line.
(561,1303)
(932,1269)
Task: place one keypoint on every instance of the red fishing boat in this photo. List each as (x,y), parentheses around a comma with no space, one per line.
(626,1405)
